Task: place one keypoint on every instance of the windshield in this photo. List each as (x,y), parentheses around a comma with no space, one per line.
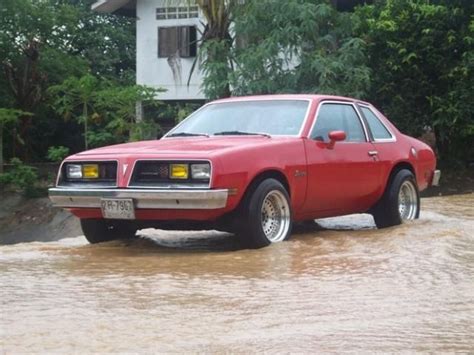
(276,117)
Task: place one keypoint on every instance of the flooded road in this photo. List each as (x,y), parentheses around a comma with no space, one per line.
(342,286)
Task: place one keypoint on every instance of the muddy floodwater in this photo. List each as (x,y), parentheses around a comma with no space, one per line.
(343,286)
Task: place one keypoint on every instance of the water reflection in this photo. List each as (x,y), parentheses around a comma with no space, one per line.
(340,285)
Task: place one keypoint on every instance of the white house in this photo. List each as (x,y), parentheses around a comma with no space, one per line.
(167,34)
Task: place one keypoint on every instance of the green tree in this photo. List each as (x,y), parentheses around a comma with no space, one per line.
(8,116)
(422,57)
(215,49)
(75,97)
(298,46)
(117,106)
(69,40)
(106,110)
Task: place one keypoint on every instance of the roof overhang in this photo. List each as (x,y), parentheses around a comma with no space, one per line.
(121,7)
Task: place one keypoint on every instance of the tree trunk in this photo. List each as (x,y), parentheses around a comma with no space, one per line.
(85,113)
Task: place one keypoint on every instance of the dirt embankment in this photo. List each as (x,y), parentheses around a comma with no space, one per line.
(27,220)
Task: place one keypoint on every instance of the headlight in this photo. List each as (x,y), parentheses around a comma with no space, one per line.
(74,171)
(87,172)
(82,171)
(201,171)
(179,171)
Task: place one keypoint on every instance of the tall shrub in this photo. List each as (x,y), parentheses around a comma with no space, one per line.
(422,57)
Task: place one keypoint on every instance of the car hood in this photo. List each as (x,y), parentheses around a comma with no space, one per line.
(198,147)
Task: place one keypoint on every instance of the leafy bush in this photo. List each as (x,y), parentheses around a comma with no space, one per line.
(144,130)
(57,154)
(422,56)
(297,47)
(22,177)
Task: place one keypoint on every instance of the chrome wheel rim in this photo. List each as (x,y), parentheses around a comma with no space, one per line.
(275,216)
(407,201)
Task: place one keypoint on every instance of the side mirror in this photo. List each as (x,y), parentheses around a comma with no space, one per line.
(335,136)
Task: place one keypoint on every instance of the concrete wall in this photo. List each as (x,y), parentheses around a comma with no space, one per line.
(156,72)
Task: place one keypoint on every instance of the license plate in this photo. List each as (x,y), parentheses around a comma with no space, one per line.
(117,208)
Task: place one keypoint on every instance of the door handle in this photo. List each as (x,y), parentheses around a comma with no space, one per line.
(373,153)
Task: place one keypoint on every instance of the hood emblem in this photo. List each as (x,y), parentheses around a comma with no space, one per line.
(124,169)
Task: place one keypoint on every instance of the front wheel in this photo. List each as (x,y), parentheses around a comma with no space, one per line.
(100,230)
(400,202)
(266,215)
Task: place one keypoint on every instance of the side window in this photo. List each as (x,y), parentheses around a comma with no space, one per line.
(177,40)
(338,117)
(378,129)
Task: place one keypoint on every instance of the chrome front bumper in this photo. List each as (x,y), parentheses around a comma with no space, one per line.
(143,198)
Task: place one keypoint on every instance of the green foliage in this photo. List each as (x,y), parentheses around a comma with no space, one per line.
(413,58)
(71,41)
(107,110)
(8,117)
(144,130)
(422,57)
(117,105)
(177,112)
(57,154)
(73,94)
(184,111)
(72,34)
(287,46)
(214,53)
(216,66)
(20,176)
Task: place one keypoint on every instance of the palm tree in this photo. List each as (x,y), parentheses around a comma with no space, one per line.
(215,47)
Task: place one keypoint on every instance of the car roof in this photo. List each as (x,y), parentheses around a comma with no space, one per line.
(289,97)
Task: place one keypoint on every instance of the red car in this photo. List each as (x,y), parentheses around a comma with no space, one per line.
(251,166)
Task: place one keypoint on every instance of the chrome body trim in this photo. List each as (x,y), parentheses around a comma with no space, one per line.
(143,198)
(436,177)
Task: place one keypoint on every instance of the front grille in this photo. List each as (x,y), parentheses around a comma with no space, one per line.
(155,173)
(107,175)
(151,171)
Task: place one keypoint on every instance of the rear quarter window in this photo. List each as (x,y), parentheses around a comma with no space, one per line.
(379,131)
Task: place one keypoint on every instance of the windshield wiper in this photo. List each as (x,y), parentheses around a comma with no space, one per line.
(241,133)
(188,134)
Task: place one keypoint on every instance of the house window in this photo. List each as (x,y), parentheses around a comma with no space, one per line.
(177,40)
(170,13)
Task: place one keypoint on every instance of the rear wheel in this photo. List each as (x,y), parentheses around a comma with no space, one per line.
(400,202)
(100,230)
(266,215)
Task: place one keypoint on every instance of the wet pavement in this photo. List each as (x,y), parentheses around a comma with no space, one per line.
(343,286)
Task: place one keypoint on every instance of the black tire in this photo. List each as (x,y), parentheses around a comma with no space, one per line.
(258,227)
(100,230)
(386,212)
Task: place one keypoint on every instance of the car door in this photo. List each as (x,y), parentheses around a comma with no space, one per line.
(344,178)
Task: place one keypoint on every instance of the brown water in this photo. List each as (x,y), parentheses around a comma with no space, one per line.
(347,288)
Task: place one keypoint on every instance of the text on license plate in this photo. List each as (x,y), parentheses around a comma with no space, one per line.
(115,208)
